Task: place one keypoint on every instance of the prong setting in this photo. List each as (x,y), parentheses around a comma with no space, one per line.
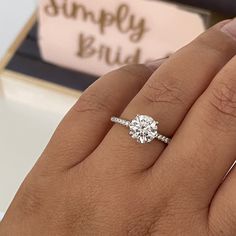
(143,128)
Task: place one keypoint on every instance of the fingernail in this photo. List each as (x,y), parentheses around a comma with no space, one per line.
(154,65)
(230,29)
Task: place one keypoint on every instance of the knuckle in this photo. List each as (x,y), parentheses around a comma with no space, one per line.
(99,100)
(223,100)
(93,101)
(220,108)
(164,92)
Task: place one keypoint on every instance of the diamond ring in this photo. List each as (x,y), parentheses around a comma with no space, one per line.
(142,128)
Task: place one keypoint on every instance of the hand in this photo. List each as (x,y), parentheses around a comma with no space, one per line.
(94,179)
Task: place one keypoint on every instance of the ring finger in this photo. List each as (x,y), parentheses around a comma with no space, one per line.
(167,97)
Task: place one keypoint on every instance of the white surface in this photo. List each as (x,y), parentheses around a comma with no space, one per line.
(14,160)
(29,115)
(1,216)
(13,15)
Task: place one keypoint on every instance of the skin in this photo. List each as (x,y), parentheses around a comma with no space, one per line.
(93,179)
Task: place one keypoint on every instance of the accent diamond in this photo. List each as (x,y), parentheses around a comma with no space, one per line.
(143,129)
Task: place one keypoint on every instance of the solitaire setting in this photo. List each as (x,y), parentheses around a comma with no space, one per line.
(143,128)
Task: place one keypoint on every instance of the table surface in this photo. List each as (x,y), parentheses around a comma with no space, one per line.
(29,113)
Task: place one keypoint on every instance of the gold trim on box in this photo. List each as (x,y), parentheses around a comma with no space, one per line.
(30,79)
(41,83)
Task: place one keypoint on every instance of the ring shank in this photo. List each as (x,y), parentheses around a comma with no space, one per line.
(163,138)
(120,121)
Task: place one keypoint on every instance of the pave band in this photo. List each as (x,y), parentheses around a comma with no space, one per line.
(142,128)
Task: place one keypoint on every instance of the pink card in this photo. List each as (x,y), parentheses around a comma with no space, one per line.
(98,36)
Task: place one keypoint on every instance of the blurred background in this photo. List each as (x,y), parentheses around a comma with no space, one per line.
(35,93)
(28,113)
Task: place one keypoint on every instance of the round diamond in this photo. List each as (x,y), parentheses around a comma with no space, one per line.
(143,129)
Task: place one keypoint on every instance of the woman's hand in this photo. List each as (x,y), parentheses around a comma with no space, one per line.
(94,179)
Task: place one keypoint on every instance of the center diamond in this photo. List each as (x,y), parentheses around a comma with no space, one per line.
(143,129)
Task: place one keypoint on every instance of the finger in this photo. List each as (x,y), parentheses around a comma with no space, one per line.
(88,121)
(203,149)
(167,97)
(222,213)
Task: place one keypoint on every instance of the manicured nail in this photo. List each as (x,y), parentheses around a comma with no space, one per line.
(230,29)
(154,65)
